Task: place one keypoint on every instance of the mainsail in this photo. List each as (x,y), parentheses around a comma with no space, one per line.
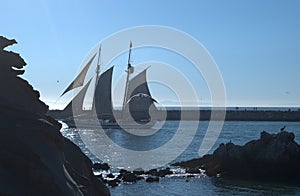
(102,98)
(139,99)
(78,81)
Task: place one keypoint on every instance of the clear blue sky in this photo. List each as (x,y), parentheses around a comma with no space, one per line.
(256,44)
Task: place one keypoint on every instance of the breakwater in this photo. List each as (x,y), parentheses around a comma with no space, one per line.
(196,114)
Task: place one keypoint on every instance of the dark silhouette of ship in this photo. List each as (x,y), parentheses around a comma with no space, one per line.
(137,102)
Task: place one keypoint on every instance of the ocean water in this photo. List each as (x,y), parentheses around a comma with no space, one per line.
(238,132)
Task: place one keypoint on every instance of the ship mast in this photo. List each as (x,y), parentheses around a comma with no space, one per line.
(97,77)
(128,71)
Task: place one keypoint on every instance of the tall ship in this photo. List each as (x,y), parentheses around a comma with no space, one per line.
(137,105)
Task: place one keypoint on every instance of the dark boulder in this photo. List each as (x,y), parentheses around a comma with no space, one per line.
(114,182)
(130,177)
(138,171)
(152,179)
(274,157)
(122,172)
(193,170)
(101,166)
(159,173)
(190,176)
(152,172)
(110,175)
(164,172)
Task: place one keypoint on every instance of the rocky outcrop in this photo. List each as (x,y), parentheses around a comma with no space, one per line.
(129,177)
(35,158)
(273,157)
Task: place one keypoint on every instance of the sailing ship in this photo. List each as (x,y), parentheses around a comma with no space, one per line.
(137,102)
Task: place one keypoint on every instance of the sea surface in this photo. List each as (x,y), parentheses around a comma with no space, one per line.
(238,132)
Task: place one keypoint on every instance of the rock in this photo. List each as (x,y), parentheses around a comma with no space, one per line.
(139,178)
(114,182)
(152,172)
(19,95)
(100,176)
(193,170)
(35,159)
(122,172)
(139,171)
(152,179)
(4,42)
(129,177)
(274,157)
(164,172)
(110,175)
(195,162)
(159,173)
(101,166)
(105,181)
(265,137)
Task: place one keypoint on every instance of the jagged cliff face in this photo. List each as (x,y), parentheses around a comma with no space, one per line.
(15,91)
(35,159)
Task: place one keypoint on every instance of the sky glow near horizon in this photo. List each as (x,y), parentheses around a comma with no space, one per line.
(255,44)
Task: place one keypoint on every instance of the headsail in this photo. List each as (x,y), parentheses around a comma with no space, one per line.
(78,81)
(76,105)
(102,100)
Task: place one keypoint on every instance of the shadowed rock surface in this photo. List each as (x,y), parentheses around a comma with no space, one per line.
(274,157)
(152,179)
(35,159)
(101,166)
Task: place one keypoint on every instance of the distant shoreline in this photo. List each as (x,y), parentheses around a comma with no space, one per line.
(236,114)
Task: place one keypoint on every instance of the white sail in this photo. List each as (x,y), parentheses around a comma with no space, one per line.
(76,105)
(79,80)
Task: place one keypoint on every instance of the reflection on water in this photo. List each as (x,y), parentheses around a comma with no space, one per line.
(203,186)
(237,132)
(250,187)
(143,143)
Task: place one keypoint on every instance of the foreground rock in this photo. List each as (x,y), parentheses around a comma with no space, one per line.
(159,173)
(101,166)
(273,157)
(152,179)
(35,158)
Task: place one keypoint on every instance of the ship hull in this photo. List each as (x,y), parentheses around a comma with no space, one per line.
(105,124)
